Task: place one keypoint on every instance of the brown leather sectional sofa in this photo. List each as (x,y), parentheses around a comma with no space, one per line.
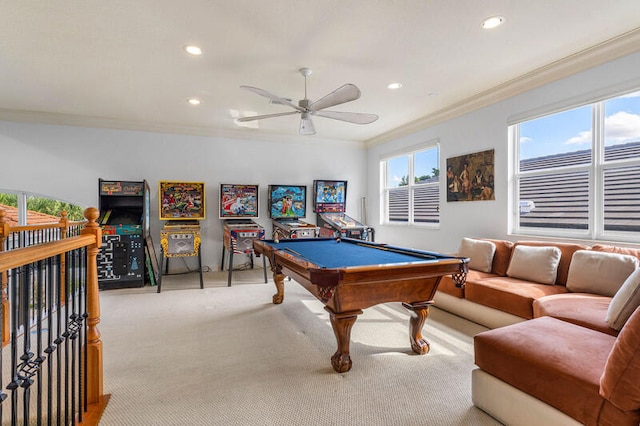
(551,356)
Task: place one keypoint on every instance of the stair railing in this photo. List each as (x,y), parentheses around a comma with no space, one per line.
(54,351)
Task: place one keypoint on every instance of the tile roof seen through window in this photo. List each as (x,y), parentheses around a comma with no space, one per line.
(33,218)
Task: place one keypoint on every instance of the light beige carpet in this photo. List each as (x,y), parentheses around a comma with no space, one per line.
(228,356)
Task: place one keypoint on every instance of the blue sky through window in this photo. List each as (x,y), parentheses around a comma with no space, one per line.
(424,163)
(570,131)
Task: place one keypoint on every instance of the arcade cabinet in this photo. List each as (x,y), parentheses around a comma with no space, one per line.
(182,206)
(287,205)
(330,202)
(124,219)
(238,208)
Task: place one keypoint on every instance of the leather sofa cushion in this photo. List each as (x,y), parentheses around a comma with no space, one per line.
(501,257)
(616,249)
(556,362)
(620,382)
(587,310)
(448,286)
(567,250)
(510,295)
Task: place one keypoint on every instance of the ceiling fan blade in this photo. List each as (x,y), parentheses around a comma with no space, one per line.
(306,125)
(346,93)
(260,117)
(274,98)
(351,117)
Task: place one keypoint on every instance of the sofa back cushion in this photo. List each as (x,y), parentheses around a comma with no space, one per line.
(566,250)
(616,249)
(501,257)
(537,264)
(479,252)
(619,382)
(599,272)
(625,302)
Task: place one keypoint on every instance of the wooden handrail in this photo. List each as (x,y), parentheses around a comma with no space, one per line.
(23,256)
(91,238)
(63,224)
(6,230)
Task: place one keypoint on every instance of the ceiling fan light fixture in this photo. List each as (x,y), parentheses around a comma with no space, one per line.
(193,50)
(492,22)
(306,125)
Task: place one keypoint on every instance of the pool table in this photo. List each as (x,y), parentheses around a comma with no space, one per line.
(350,275)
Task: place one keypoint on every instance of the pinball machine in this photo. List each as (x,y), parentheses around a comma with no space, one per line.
(238,208)
(329,203)
(287,206)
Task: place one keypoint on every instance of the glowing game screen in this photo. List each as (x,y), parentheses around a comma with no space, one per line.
(238,201)
(330,196)
(287,201)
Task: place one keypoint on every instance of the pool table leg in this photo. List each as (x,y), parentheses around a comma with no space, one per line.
(278,280)
(342,323)
(416,322)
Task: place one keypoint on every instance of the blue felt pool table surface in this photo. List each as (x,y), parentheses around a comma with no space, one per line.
(329,253)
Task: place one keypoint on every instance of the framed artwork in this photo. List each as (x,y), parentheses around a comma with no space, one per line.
(181,200)
(238,201)
(471,177)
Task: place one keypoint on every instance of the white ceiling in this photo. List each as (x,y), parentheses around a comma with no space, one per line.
(121,63)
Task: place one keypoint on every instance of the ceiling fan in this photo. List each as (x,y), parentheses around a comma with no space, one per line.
(307,109)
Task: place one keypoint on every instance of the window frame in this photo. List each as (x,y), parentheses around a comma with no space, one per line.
(596,170)
(411,186)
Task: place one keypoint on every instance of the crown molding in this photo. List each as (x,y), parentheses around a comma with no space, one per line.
(617,47)
(39,117)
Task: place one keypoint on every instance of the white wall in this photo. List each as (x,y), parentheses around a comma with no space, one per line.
(65,162)
(481,130)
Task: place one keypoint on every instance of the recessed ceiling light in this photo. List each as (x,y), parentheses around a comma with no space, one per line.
(492,22)
(194,50)
(394,86)
(194,101)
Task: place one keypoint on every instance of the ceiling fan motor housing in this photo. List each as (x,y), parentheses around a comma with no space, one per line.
(303,103)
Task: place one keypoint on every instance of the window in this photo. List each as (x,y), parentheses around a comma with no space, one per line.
(410,186)
(27,209)
(577,172)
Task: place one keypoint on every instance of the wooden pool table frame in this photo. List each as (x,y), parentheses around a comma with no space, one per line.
(346,291)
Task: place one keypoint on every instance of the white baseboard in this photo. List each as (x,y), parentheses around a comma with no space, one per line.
(511,406)
(480,314)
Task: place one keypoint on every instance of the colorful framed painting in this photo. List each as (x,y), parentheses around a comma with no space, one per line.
(471,177)
(181,200)
(238,201)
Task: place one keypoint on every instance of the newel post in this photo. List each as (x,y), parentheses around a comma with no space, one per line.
(93,367)
(64,224)
(4,233)
(64,228)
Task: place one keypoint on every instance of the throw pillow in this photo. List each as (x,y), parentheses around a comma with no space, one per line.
(626,300)
(537,264)
(599,272)
(480,253)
